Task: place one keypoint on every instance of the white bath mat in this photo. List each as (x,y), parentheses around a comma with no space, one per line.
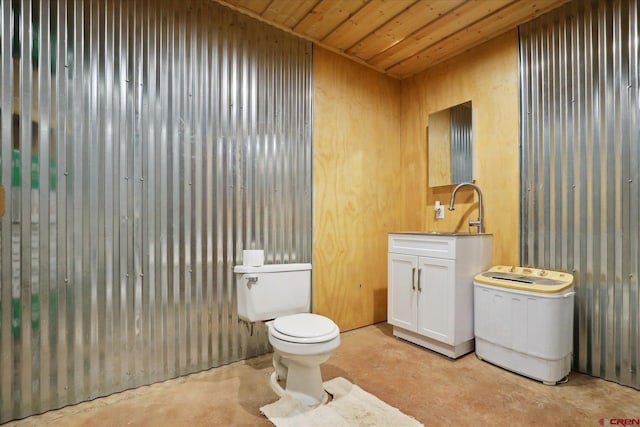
(351,406)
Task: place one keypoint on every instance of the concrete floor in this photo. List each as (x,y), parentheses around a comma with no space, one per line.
(434,389)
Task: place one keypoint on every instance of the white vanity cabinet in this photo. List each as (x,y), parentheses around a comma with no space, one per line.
(430,294)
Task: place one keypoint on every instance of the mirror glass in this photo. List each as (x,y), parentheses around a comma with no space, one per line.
(450,136)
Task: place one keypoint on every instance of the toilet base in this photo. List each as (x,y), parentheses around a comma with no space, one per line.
(303,381)
(280,391)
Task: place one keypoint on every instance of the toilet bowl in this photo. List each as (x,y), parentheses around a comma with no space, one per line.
(301,343)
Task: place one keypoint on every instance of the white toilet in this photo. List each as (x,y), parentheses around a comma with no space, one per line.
(281,295)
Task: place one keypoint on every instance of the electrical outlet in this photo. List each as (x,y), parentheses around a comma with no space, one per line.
(439,210)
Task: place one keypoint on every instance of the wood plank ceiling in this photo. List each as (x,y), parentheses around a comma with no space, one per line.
(396,37)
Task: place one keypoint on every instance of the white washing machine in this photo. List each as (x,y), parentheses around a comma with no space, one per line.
(523,321)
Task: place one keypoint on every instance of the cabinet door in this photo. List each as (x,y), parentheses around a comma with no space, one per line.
(436,292)
(402,293)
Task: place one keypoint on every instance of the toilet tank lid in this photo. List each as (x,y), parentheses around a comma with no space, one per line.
(271,268)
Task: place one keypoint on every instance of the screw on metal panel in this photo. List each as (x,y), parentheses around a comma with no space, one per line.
(66,173)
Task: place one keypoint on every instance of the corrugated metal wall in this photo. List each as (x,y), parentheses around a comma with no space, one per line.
(580,125)
(145,144)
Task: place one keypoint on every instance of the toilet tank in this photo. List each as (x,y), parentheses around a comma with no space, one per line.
(273,290)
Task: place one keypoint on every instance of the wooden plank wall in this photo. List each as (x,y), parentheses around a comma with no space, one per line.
(356,178)
(488,76)
(370,168)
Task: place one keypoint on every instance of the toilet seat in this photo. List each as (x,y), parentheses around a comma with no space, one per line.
(304,328)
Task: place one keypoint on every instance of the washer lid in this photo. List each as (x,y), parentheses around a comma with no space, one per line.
(306,327)
(526,279)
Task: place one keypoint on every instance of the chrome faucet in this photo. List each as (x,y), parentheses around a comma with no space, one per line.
(472,223)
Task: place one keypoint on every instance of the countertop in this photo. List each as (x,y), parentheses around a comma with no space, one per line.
(442,233)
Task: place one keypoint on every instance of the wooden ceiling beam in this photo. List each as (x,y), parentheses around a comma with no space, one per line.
(466,14)
(466,38)
(396,37)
